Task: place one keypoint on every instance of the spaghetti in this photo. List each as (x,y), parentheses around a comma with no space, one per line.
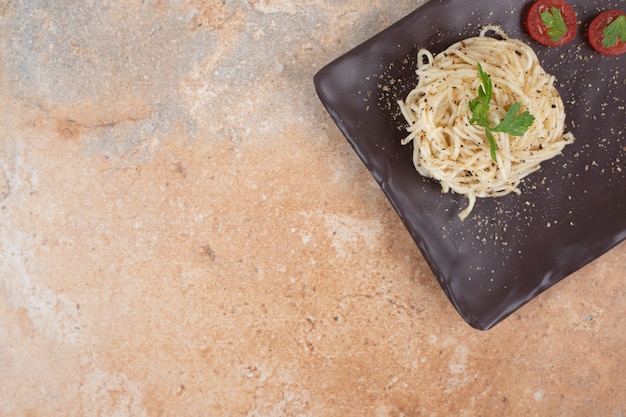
(456,153)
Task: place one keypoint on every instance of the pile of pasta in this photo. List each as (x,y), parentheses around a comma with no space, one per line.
(448,148)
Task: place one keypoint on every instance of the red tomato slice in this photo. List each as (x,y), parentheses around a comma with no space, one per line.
(595,33)
(538,30)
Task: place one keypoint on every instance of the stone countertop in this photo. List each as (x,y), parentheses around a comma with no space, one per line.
(186,232)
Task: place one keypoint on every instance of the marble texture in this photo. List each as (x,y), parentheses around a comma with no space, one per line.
(185,232)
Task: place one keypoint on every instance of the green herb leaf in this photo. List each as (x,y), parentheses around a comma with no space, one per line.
(615,29)
(512,123)
(487,92)
(493,146)
(480,105)
(553,20)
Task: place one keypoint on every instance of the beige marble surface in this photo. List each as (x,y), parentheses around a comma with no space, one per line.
(184,231)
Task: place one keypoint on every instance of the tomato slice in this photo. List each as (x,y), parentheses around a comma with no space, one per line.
(596,36)
(539,31)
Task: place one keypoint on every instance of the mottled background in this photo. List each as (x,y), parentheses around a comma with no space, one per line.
(184,231)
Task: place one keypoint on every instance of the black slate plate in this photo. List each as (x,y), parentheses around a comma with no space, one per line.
(514,247)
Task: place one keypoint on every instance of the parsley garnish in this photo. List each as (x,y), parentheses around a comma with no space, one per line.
(512,123)
(617,28)
(555,23)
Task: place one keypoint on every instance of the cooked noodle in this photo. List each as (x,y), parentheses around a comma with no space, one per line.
(457,154)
